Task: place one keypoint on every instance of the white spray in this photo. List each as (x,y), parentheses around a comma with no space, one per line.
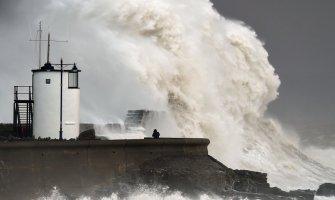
(212,76)
(141,193)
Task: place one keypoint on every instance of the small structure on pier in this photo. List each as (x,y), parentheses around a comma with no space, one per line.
(50,107)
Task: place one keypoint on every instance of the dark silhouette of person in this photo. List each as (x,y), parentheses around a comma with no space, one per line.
(155,134)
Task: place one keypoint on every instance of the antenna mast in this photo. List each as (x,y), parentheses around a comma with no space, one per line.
(40,40)
(40,45)
(48,53)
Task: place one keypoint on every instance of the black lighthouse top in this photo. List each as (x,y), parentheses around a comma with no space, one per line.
(50,68)
(47,67)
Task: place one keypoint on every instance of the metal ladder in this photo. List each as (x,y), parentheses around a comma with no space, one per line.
(23,111)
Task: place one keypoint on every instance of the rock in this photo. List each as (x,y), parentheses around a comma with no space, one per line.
(101,138)
(326,189)
(6,130)
(3,138)
(249,181)
(306,194)
(87,135)
(44,139)
(204,174)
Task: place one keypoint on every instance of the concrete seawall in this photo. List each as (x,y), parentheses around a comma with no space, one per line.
(29,169)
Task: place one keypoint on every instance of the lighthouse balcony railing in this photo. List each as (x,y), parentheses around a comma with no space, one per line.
(23,93)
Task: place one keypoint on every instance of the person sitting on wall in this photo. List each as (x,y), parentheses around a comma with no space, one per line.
(155,134)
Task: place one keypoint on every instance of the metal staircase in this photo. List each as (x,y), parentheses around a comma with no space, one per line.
(23,111)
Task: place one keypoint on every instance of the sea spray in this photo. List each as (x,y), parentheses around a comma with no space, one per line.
(211,74)
(141,193)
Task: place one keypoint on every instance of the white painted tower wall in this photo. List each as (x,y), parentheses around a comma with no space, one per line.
(47,106)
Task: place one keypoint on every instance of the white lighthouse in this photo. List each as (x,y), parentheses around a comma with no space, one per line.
(56,95)
(51,108)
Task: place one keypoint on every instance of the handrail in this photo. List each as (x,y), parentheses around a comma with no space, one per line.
(20,92)
(23,111)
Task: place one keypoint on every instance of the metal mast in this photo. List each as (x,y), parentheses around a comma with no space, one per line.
(40,45)
(40,40)
(48,53)
(61,100)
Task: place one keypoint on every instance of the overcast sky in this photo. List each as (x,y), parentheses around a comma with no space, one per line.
(299,36)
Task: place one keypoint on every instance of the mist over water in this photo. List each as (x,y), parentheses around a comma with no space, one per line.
(142,193)
(210,74)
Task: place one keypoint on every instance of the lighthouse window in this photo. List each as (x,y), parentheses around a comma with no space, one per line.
(47,81)
(73,79)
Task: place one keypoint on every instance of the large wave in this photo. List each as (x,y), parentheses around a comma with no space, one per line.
(211,74)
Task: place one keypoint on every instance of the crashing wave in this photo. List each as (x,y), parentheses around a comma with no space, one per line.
(210,74)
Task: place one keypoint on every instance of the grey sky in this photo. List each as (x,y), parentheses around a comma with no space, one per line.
(299,36)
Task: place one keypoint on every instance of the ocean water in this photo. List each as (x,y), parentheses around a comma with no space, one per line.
(210,74)
(142,193)
(159,193)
